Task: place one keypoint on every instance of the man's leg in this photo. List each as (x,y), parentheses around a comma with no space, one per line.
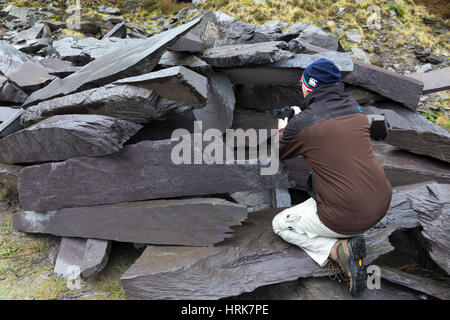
(300,226)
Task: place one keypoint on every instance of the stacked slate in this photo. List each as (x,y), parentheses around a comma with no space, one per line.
(88,137)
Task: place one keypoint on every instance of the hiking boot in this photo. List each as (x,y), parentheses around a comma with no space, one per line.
(349,254)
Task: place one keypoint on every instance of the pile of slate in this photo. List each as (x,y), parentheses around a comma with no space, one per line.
(86,141)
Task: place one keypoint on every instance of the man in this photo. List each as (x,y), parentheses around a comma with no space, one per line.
(348,187)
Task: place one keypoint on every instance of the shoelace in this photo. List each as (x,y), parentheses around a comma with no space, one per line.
(336,273)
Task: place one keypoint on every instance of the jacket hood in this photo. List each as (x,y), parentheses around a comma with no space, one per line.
(325,92)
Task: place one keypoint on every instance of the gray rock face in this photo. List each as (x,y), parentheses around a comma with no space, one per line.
(188,43)
(389,84)
(218,111)
(118,31)
(78,135)
(9,176)
(39,30)
(220,29)
(176,83)
(147,166)
(247,54)
(124,102)
(173,59)
(82,51)
(122,63)
(33,46)
(261,200)
(434,81)
(11,58)
(87,256)
(219,272)
(191,222)
(316,36)
(403,168)
(10,92)
(30,76)
(436,227)
(437,289)
(413,132)
(264,75)
(342,60)
(12,124)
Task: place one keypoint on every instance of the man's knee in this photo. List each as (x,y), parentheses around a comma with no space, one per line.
(278,224)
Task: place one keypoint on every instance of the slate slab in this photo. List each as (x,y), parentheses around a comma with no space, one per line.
(124,102)
(77,135)
(118,31)
(342,60)
(147,166)
(176,83)
(246,54)
(410,131)
(191,222)
(255,256)
(11,58)
(434,288)
(9,176)
(400,88)
(87,256)
(122,63)
(436,228)
(172,59)
(434,81)
(261,200)
(11,125)
(188,43)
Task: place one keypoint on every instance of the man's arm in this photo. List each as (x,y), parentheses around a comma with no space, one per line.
(288,136)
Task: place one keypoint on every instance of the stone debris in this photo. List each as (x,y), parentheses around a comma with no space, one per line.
(434,81)
(78,135)
(85,257)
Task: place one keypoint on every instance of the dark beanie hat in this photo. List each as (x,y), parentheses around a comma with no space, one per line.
(320,72)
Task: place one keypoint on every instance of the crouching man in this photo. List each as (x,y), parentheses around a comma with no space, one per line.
(348,187)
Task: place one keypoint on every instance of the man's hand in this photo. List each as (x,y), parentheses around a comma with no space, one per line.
(297,110)
(282,123)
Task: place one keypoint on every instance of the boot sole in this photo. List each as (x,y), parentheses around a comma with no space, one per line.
(357,250)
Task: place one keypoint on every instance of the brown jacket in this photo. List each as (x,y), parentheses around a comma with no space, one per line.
(346,180)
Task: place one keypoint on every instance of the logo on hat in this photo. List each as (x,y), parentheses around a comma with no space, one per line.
(312,82)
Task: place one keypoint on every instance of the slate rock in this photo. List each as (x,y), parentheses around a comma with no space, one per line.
(11,125)
(188,43)
(219,272)
(147,166)
(176,83)
(342,60)
(316,36)
(33,46)
(191,222)
(354,35)
(38,30)
(30,76)
(218,111)
(173,59)
(118,31)
(436,227)
(124,102)
(9,176)
(247,54)
(389,84)
(77,135)
(122,63)
(261,200)
(437,289)
(87,256)
(220,29)
(434,81)
(82,51)
(64,72)
(410,131)
(11,58)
